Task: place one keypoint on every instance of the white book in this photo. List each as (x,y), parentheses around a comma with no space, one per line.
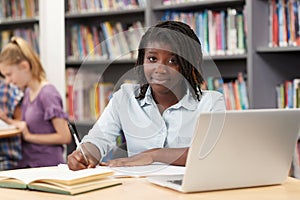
(4,126)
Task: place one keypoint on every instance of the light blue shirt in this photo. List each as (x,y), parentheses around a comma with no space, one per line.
(142,124)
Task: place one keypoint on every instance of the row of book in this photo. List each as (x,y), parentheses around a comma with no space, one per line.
(288,94)
(87,94)
(220,32)
(18,9)
(79,6)
(174,2)
(235,91)
(284,23)
(31,35)
(105,41)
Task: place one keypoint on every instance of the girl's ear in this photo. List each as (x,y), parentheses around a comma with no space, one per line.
(24,65)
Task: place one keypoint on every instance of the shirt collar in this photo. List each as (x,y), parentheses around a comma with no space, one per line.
(148,98)
(188,101)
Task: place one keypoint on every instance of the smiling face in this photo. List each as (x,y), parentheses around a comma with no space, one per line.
(161,69)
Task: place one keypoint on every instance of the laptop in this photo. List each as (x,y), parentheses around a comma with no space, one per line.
(238,149)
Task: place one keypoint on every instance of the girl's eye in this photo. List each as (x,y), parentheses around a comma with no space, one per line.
(173,61)
(152,59)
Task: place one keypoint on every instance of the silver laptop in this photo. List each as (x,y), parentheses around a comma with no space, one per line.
(238,149)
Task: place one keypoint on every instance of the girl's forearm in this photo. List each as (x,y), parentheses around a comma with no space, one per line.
(173,156)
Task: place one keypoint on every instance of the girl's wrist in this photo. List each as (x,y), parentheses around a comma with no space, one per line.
(154,154)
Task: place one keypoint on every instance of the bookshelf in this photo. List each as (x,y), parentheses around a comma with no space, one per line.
(269,66)
(21,19)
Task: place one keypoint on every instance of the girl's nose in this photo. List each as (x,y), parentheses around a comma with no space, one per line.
(7,80)
(161,68)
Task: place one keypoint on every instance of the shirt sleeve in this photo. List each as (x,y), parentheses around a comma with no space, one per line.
(52,104)
(106,129)
(212,101)
(219,102)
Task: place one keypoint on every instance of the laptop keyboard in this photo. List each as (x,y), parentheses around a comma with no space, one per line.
(177,182)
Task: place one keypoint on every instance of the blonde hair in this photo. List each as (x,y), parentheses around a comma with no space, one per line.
(18,50)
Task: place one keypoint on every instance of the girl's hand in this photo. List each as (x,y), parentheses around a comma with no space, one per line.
(21,125)
(145,158)
(23,128)
(3,116)
(173,156)
(76,160)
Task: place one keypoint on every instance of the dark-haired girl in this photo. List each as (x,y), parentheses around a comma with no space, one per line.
(157,116)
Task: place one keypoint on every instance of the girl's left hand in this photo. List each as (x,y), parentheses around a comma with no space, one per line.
(3,115)
(23,128)
(21,125)
(144,158)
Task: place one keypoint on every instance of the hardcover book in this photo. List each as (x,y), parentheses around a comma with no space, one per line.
(58,179)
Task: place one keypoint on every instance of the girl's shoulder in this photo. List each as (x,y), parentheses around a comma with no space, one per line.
(49,91)
(48,87)
(211,93)
(128,89)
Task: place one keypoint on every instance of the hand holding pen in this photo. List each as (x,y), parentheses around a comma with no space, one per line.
(86,156)
(74,133)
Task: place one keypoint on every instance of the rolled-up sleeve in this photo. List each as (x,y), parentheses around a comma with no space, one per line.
(104,132)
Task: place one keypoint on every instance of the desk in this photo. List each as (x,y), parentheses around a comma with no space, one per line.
(9,133)
(140,189)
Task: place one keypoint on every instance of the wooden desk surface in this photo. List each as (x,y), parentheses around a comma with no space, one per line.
(140,189)
(9,133)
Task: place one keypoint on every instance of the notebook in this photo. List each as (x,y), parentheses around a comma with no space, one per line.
(238,149)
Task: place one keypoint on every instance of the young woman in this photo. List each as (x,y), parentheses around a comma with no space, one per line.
(158,115)
(44,123)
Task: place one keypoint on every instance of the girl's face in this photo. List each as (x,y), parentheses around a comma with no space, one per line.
(161,68)
(16,74)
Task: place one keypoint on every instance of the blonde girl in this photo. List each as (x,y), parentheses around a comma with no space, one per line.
(44,122)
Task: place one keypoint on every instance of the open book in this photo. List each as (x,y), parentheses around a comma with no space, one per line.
(4,126)
(58,179)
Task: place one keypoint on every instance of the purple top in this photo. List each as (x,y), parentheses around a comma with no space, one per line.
(38,115)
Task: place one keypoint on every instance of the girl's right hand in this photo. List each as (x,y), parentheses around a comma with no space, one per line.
(76,160)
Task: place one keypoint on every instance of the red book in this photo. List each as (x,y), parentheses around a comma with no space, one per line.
(275,24)
(70,77)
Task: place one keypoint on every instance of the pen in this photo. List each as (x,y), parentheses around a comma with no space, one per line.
(74,132)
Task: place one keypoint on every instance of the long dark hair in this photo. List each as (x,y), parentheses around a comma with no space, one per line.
(186,46)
